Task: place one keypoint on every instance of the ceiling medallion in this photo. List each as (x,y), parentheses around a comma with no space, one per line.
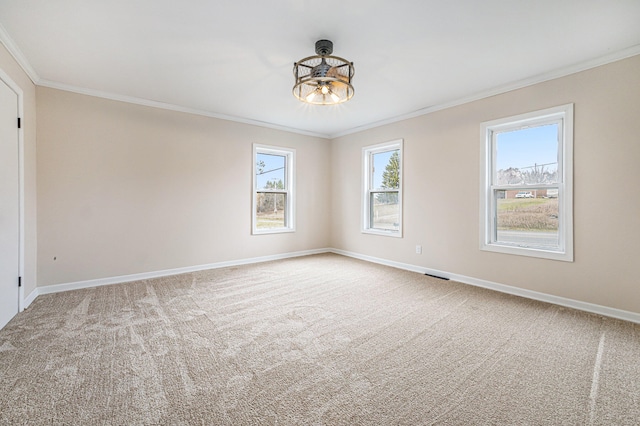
(323,79)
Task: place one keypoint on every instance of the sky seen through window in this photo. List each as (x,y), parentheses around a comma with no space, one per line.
(524,148)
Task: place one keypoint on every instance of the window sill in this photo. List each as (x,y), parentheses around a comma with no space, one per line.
(528,251)
(273,231)
(396,234)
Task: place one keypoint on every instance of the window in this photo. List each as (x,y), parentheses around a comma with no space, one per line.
(382,200)
(273,189)
(526,184)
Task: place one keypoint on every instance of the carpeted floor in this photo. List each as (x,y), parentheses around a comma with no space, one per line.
(314,340)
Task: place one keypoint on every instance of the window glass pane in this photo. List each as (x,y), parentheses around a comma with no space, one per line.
(385,211)
(528,217)
(270,171)
(270,210)
(527,156)
(386,170)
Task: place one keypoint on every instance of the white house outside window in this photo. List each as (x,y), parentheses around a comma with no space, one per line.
(382,197)
(526,184)
(273,190)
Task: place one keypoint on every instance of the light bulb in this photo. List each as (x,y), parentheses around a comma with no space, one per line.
(325,90)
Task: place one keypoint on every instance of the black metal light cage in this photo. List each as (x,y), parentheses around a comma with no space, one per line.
(323,79)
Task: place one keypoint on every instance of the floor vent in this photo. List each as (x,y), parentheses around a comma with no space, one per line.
(435,276)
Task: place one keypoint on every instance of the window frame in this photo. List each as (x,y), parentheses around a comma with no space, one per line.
(367,174)
(288,190)
(561,115)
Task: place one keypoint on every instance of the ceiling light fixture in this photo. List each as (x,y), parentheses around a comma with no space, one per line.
(323,79)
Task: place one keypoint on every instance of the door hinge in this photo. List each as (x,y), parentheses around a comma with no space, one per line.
(19,123)
(19,281)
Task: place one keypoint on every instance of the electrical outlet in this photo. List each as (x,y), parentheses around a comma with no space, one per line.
(418,249)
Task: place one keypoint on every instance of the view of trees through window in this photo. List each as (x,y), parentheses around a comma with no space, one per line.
(271,194)
(385,208)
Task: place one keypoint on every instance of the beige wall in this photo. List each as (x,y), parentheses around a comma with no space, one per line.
(127,189)
(441,189)
(15,72)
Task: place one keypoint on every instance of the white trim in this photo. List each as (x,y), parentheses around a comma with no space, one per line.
(31,297)
(562,116)
(392,263)
(367,154)
(11,46)
(57,288)
(504,88)
(17,54)
(21,242)
(503,288)
(529,294)
(290,185)
(173,107)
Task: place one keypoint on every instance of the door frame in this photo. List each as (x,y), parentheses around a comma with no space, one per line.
(21,252)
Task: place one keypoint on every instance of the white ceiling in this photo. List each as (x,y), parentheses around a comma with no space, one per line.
(234,59)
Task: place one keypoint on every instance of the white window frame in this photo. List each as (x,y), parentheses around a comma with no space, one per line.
(561,115)
(367,173)
(289,188)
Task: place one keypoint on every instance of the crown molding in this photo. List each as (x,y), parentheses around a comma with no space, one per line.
(508,87)
(22,61)
(173,107)
(17,54)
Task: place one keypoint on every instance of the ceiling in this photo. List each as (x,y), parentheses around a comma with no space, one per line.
(233,59)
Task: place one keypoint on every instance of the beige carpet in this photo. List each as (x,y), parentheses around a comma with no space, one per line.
(310,341)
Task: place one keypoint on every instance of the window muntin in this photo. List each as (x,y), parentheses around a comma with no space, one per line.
(382,203)
(272,189)
(526,182)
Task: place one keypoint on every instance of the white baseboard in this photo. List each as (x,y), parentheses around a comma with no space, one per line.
(56,288)
(30,298)
(529,294)
(503,288)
